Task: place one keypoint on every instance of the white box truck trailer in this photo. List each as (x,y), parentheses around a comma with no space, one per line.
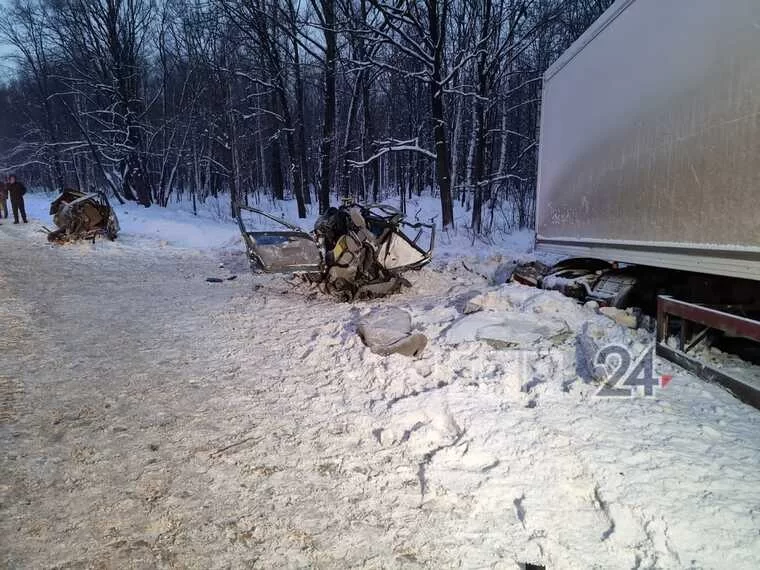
(650,160)
(650,139)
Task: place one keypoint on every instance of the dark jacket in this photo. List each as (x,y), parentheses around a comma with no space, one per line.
(3,192)
(16,191)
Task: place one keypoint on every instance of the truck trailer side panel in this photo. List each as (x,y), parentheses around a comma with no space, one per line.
(650,139)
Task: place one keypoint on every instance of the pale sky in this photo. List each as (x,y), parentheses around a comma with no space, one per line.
(4,49)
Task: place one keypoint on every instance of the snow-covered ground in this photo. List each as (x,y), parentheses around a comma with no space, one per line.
(151,419)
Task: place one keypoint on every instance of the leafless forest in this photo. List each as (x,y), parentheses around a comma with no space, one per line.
(312,100)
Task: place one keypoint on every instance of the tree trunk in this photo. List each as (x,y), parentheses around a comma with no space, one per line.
(328,127)
(479,126)
(343,183)
(443,169)
(278,183)
(299,162)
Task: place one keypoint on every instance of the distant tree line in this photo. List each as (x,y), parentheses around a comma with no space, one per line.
(311,100)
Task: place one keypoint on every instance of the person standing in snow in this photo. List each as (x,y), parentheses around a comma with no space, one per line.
(3,200)
(16,191)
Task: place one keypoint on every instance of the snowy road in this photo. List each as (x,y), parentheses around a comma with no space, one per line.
(149,419)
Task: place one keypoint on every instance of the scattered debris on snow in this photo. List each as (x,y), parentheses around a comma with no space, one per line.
(389,331)
(626,318)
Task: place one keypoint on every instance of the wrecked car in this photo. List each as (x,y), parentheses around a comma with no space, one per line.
(355,251)
(82,215)
(582,279)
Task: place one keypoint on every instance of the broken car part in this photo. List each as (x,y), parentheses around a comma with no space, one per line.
(81,215)
(355,251)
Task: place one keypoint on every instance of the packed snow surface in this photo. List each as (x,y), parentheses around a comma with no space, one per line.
(149,418)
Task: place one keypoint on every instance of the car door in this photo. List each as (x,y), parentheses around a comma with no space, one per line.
(276,250)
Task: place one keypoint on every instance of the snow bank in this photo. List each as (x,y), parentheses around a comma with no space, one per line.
(175,225)
(213,227)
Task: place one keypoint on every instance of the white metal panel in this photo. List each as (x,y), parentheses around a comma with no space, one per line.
(650,133)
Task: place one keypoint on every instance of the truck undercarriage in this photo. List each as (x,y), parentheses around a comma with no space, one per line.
(693,312)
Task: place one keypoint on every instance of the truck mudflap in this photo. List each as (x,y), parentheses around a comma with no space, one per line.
(278,251)
(696,321)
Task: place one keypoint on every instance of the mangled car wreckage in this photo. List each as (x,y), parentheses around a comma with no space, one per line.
(82,215)
(355,251)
